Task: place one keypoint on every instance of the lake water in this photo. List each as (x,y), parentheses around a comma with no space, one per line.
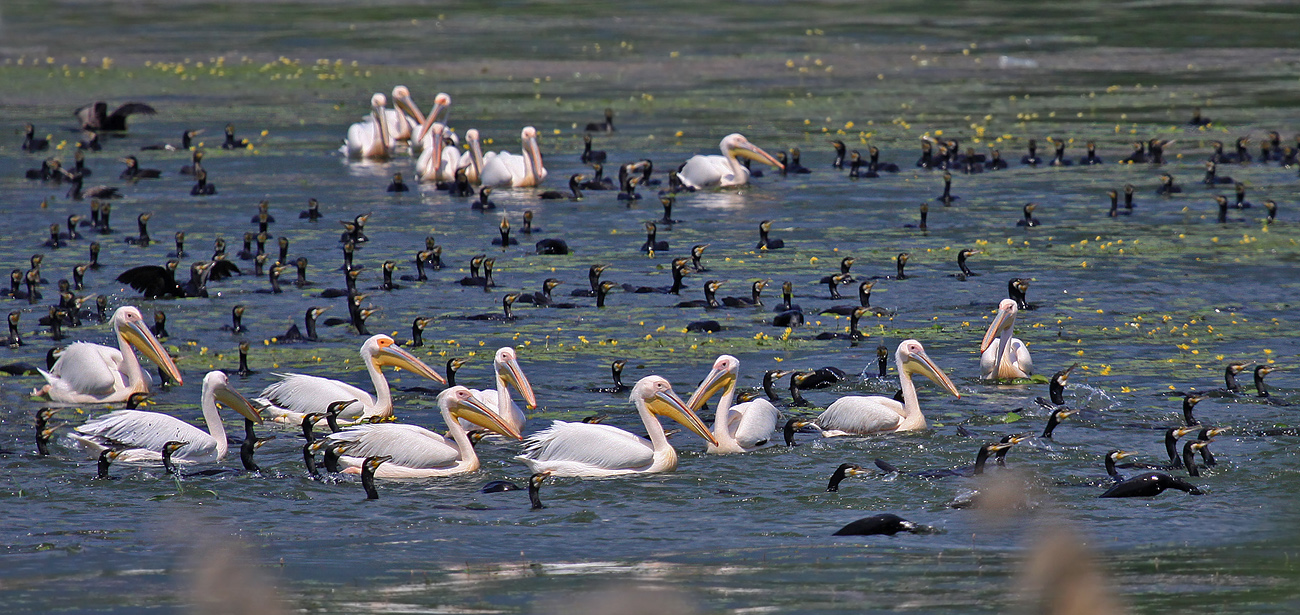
(1149,303)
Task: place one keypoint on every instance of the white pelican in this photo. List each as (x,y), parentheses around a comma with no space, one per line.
(369,138)
(437,161)
(473,159)
(139,435)
(857,415)
(296,395)
(94,374)
(417,452)
(1003,356)
(740,428)
(405,117)
(505,366)
(583,449)
(506,169)
(721,171)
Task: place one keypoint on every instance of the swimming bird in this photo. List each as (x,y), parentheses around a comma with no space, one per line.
(31,143)
(1003,356)
(201,186)
(740,428)
(369,139)
(507,374)
(605,126)
(652,244)
(297,394)
(947,197)
(856,415)
(1148,484)
(140,435)
(516,170)
(765,242)
(588,155)
(864,301)
(584,449)
(575,190)
(723,171)
(842,472)
(1032,159)
(593,278)
(1167,187)
(95,116)
(417,452)
(1029,221)
(1091,158)
(90,373)
(884,523)
(437,161)
(616,373)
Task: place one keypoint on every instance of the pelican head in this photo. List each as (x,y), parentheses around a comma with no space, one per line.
(217,385)
(438,129)
(723,375)
(735,144)
(378,101)
(402,100)
(658,396)
(507,365)
(384,351)
(130,326)
(440,103)
(1005,319)
(461,403)
(911,357)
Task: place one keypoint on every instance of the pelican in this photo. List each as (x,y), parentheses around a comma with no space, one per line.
(857,415)
(740,428)
(722,171)
(94,374)
(404,117)
(1004,356)
(370,138)
(506,169)
(505,365)
(437,162)
(140,435)
(296,395)
(473,159)
(417,452)
(585,449)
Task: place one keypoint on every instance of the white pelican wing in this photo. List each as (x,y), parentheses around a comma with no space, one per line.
(503,169)
(86,369)
(302,394)
(862,415)
(581,447)
(410,446)
(753,422)
(1020,365)
(709,172)
(139,429)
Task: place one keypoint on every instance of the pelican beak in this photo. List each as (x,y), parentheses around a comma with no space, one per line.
(232,399)
(141,338)
(394,356)
(476,412)
(751,151)
(440,104)
(712,385)
(666,403)
(922,362)
(514,376)
(1003,320)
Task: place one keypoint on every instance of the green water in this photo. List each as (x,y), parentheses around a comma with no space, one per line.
(1146,303)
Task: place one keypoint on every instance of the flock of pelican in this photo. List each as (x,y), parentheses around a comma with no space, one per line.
(89,373)
(385,132)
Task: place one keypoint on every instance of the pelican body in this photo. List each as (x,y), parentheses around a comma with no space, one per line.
(1003,356)
(94,374)
(417,452)
(857,415)
(139,435)
(723,171)
(505,367)
(585,449)
(296,395)
(740,428)
(514,170)
(370,139)
(437,162)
